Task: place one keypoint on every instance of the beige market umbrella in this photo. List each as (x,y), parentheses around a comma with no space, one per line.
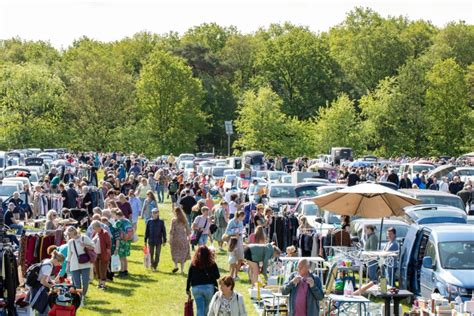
(369,200)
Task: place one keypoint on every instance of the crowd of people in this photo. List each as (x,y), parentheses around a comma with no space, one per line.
(202,212)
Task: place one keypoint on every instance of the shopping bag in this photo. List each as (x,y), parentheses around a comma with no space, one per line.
(146,257)
(188,307)
(115,265)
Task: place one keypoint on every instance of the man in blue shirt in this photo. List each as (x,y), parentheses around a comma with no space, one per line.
(392,245)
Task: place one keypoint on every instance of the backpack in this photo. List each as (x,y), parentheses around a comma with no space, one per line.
(32,274)
(174,187)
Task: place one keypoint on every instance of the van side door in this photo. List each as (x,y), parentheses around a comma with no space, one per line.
(427,275)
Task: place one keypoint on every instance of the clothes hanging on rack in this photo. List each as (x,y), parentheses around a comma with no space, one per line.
(33,248)
(9,277)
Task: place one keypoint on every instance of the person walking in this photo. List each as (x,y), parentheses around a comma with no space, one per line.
(160,185)
(155,237)
(226,301)
(235,229)
(125,206)
(143,189)
(126,235)
(103,249)
(221,221)
(77,266)
(179,244)
(136,205)
(202,279)
(148,205)
(305,291)
(371,244)
(187,203)
(201,224)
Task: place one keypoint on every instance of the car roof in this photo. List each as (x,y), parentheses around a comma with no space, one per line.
(386,221)
(420,192)
(453,232)
(282,185)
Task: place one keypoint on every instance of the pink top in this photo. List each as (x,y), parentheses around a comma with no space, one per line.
(300,302)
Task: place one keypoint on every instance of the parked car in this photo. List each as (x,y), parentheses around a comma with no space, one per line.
(253,160)
(435,197)
(234,162)
(464,173)
(414,168)
(7,189)
(358,225)
(274,176)
(3,163)
(434,213)
(285,179)
(329,188)
(21,180)
(280,195)
(308,189)
(321,220)
(438,258)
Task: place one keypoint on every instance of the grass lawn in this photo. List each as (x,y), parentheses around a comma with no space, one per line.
(151,293)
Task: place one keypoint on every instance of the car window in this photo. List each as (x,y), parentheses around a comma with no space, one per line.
(307,191)
(7,190)
(310,209)
(457,255)
(466,172)
(443,200)
(420,168)
(431,251)
(282,192)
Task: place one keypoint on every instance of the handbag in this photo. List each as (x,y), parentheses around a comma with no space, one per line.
(197,235)
(188,307)
(91,253)
(83,258)
(213,228)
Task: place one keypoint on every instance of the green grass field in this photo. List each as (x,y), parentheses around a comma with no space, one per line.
(151,293)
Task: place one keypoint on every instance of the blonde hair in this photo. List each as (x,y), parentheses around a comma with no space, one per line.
(71,230)
(50,214)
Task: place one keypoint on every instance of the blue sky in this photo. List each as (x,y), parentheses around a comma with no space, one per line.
(62,21)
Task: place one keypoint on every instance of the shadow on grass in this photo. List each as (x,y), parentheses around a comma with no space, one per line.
(120,290)
(94,302)
(104,311)
(139,278)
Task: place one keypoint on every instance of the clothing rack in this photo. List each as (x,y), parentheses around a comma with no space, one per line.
(9,281)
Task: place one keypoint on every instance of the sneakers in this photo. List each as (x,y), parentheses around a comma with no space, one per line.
(175,270)
(123,274)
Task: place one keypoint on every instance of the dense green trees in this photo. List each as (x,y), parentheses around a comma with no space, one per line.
(378,84)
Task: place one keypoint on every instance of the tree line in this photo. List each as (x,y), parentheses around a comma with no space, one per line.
(390,86)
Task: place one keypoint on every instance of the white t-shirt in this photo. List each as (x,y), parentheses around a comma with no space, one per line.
(232,207)
(46,269)
(73,257)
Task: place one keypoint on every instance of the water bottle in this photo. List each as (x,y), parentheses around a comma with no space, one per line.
(348,288)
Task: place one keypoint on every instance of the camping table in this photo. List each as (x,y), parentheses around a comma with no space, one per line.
(387,297)
(349,301)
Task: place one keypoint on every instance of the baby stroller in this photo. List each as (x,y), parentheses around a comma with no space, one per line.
(64,300)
